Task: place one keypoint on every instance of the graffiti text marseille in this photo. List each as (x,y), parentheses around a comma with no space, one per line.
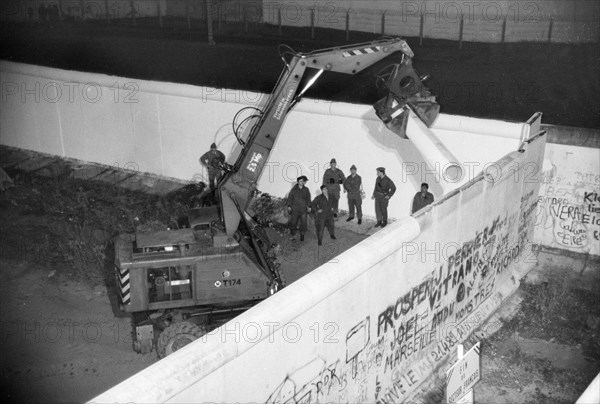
(436,284)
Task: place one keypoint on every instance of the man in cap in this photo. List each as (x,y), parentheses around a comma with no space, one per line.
(298,205)
(332,179)
(353,185)
(323,208)
(422,198)
(384,190)
(213,160)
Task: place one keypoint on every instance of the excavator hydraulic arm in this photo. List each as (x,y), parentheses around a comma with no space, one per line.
(405,91)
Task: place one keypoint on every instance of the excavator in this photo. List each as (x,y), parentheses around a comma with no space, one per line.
(178,284)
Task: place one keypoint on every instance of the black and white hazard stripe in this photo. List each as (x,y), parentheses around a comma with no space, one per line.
(362,51)
(124,285)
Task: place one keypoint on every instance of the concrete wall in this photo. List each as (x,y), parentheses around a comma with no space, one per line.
(162,128)
(568,213)
(483,21)
(367,327)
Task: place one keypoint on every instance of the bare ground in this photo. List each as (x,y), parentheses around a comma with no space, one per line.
(63,337)
(63,340)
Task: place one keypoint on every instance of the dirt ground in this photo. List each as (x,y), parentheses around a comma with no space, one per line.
(548,351)
(63,339)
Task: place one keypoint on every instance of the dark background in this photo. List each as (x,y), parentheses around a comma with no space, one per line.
(508,81)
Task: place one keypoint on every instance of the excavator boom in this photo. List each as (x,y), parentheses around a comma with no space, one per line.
(238,184)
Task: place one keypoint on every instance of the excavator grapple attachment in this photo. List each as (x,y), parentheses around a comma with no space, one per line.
(406,92)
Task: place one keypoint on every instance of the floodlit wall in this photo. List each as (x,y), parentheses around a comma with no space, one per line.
(481,21)
(163,128)
(367,327)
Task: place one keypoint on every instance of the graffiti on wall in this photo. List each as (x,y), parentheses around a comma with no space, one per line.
(390,353)
(569,210)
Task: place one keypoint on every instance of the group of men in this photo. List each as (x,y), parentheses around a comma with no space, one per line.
(334,179)
(325,206)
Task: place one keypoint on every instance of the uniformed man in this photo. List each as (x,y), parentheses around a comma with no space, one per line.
(422,198)
(332,179)
(353,185)
(323,208)
(384,190)
(213,160)
(298,205)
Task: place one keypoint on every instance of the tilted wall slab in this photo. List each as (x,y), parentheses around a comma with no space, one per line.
(373,323)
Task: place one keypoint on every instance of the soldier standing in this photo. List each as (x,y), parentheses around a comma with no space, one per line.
(323,207)
(213,160)
(298,205)
(332,179)
(384,190)
(353,185)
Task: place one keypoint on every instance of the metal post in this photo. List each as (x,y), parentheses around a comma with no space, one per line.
(504,30)
(187,14)
(383,23)
(279,20)
(312,23)
(209,25)
(159,12)
(347,25)
(82,5)
(421,30)
(550,29)
(133,17)
(60,10)
(462,25)
(107,12)
(220,17)
(245,18)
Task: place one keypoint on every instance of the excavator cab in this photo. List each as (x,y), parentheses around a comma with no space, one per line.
(192,275)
